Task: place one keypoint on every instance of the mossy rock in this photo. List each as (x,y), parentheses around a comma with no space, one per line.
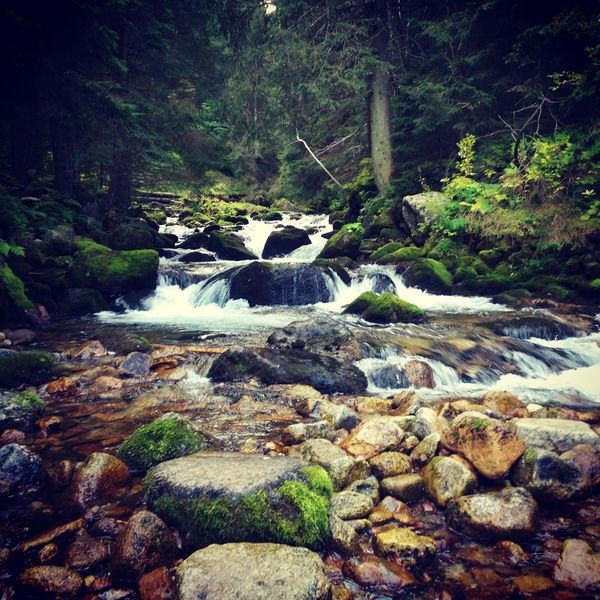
(30,367)
(430,275)
(14,289)
(557,292)
(539,282)
(82,301)
(483,286)
(335,266)
(20,410)
(408,253)
(272,215)
(112,272)
(384,308)
(463,272)
(228,247)
(491,258)
(345,242)
(215,498)
(168,437)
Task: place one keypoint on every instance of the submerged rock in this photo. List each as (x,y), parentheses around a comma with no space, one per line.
(378,574)
(257,571)
(578,568)
(21,471)
(45,580)
(31,367)
(404,545)
(20,410)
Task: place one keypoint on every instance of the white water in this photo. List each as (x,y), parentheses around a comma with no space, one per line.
(564,371)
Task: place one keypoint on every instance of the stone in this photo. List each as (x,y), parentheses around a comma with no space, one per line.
(85,552)
(429,275)
(350,505)
(339,415)
(216,497)
(578,568)
(407,488)
(405,546)
(367,487)
(300,432)
(29,367)
(257,571)
(157,585)
(447,478)
(388,464)
(377,435)
(88,350)
(509,514)
(62,387)
(425,450)
(419,374)
(556,435)
(20,410)
(344,538)
(503,402)
(228,247)
(144,544)
(52,580)
(283,241)
(135,364)
(587,460)
(406,402)
(490,445)
(427,422)
(549,477)
(100,476)
(378,574)
(423,208)
(21,471)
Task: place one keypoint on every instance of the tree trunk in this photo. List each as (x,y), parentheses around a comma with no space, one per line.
(380,128)
(66,167)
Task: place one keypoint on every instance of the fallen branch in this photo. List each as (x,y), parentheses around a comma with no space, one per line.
(318,161)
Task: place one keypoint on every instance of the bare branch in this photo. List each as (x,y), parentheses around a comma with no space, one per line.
(318,161)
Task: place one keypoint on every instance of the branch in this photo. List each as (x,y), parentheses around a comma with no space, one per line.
(318,161)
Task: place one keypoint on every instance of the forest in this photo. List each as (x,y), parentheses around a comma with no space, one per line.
(339,106)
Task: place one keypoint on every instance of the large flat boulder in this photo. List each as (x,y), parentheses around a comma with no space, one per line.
(556,435)
(257,571)
(219,497)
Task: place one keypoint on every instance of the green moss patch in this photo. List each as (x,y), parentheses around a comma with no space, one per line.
(15,289)
(384,308)
(401,255)
(31,367)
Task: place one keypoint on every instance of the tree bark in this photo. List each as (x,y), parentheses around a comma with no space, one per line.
(64,155)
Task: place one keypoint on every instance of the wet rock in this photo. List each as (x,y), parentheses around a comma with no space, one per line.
(89,375)
(197,240)
(367,487)
(578,568)
(378,574)
(587,460)
(425,450)
(409,548)
(106,383)
(100,476)
(29,367)
(533,584)
(548,477)
(157,585)
(428,422)
(20,410)
(447,478)
(377,435)
(85,552)
(145,544)
(384,308)
(490,445)
(257,571)
(283,241)
(48,425)
(88,350)
(300,432)
(503,402)
(509,514)
(350,505)
(418,373)
(215,497)
(343,243)
(389,464)
(21,471)
(556,435)
(135,364)
(11,436)
(406,403)
(407,488)
(430,275)
(322,334)
(47,554)
(344,538)
(44,580)
(372,406)
(324,373)
(56,535)
(228,247)
(62,387)
(339,415)
(197,256)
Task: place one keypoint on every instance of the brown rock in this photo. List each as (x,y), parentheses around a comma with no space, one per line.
(61,473)
(88,350)
(490,445)
(378,574)
(11,436)
(503,402)
(533,584)
(410,549)
(62,387)
(135,364)
(90,375)
(54,535)
(86,552)
(156,585)
(578,567)
(47,553)
(388,464)
(145,544)
(418,373)
(587,459)
(48,424)
(106,382)
(373,437)
(101,475)
(50,579)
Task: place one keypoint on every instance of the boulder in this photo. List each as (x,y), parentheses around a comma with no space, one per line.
(425,450)
(378,574)
(228,247)
(131,235)
(549,477)
(59,241)
(419,374)
(405,546)
(156,585)
(86,552)
(509,514)
(257,571)
(578,568)
(503,402)
(407,488)
(348,505)
(283,241)
(422,209)
(344,538)
(389,464)
(490,445)
(20,410)
(377,435)
(345,242)
(430,275)
(218,497)
(197,256)
(135,364)
(29,367)
(384,308)
(324,373)
(556,435)
(195,241)
(427,422)
(339,416)
(300,432)
(50,580)
(587,460)
(21,471)
(447,478)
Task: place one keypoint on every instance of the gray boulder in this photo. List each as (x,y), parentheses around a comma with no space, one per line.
(422,209)
(21,471)
(20,410)
(556,435)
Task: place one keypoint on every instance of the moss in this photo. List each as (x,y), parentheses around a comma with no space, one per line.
(386,308)
(401,255)
(15,289)
(164,439)
(360,304)
(29,402)
(385,250)
(345,242)
(31,367)
(335,267)
(296,513)
(430,275)
(595,284)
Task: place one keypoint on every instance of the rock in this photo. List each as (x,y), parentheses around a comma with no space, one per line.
(407,488)
(345,242)
(63,386)
(419,374)
(257,571)
(384,308)
(30,367)
(131,235)
(197,256)
(405,546)
(45,580)
(88,350)
(509,514)
(406,402)
(197,240)
(322,334)
(344,538)
(447,478)
(21,471)
(228,247)
(169,436)
(422,209)
(556,435)
(378,574)
(587,460)
(216,497)
(377,435)
(425,450)
(548,477)
(388,464)
(490,445)
(369,405)
(429,275)
(135,364)
(350,505)
(59,241)
(367,487)
(339,415)
(144,544)
(503,402)
(324,373)
(157,585)
(85,552)
(283,241)
(578,568)
(100,476)
(427,422)
(20,410)
(300,432)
